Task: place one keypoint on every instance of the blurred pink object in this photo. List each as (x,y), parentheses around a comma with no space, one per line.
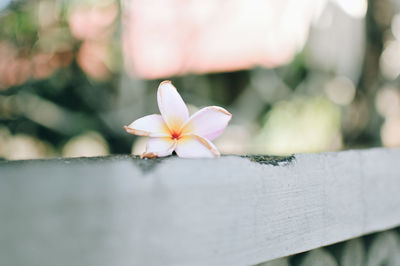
(173,37)
(174,130)
(92,57)
(92,21)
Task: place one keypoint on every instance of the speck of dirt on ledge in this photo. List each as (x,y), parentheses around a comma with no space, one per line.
(271,160)
(145,164)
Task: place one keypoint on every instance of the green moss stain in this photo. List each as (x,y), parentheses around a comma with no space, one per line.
(271,160)
(147,165)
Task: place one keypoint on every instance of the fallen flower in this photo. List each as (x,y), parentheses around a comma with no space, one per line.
(174,130)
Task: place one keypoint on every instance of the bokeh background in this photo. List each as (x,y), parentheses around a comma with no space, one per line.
(297,75)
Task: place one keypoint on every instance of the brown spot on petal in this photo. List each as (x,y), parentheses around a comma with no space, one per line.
(150,155)
(222,110)
(136,132)
(166,81)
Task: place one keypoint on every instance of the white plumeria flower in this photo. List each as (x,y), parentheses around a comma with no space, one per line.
(174,130)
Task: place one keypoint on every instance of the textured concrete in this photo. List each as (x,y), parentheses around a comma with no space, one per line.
(121,210)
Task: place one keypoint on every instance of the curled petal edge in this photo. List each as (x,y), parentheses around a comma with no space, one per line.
(186,152)
(151,155)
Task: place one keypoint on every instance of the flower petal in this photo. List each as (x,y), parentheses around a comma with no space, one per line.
(172,108)
(159,147)
(149,125)
(208,122)
(193,146)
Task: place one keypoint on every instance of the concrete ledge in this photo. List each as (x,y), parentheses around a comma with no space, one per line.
(120,210)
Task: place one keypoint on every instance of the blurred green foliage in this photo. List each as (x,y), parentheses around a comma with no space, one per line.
(61,89)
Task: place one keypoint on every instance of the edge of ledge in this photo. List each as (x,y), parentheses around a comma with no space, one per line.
(193,213)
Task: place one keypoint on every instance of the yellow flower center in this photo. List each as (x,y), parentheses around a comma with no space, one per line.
(175,135)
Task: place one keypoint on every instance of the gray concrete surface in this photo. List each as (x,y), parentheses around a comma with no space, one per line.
(121,211)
